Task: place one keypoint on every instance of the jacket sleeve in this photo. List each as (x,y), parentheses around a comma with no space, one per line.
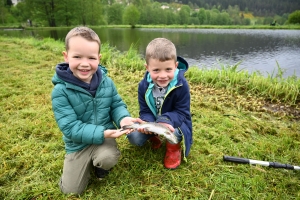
(180,107)
(118,107)
(67,121)
(145,112)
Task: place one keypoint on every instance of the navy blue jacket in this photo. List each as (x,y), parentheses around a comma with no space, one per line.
(175,109)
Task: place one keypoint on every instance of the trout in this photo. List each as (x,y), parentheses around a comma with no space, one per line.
(156,128)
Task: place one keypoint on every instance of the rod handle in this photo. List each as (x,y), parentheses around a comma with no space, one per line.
(280,165)
(236,159)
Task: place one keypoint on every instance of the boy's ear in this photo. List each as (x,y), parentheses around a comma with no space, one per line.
(100,55)
(65,54)
(146,66)
(176,65)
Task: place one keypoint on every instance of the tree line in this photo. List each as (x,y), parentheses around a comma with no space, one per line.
(56,13)
(257,7)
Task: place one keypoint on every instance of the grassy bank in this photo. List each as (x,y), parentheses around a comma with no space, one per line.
(288,27)
(234,113)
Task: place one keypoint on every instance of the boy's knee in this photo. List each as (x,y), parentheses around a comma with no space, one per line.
(108,158)
(134,141)
(111,157)
(137,139)
(72,188)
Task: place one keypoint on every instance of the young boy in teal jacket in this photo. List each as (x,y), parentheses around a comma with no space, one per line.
(87,109)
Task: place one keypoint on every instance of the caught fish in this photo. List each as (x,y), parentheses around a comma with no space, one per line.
(153,127)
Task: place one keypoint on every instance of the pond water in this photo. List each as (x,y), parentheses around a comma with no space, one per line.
(257,50)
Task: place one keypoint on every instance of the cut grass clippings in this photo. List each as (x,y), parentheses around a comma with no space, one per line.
(230,117)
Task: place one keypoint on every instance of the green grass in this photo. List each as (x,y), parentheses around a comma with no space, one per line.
(229,118)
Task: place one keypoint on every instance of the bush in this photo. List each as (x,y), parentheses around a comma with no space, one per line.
(294,18)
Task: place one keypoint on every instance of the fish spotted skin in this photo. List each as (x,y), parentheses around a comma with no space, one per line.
(154,128)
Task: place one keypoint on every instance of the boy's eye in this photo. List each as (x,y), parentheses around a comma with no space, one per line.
(76,56)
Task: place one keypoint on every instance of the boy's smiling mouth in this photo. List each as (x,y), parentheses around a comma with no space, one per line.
(162,81)
(84,71)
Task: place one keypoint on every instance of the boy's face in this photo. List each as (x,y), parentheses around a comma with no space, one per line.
(83,58)
(161,73)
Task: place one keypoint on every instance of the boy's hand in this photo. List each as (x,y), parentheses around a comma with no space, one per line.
(115,133)
(134,120)
(168,126)
(142,130)
(129,121)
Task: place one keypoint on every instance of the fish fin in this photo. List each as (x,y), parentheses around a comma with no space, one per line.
(167,132)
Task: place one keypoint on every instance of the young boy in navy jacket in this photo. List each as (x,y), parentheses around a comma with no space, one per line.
(164,97)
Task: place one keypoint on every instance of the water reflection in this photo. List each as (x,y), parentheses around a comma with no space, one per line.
(258,50)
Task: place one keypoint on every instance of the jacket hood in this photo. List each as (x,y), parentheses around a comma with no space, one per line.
(182,64)
(64,75)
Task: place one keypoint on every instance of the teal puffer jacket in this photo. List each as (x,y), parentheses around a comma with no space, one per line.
(83,118)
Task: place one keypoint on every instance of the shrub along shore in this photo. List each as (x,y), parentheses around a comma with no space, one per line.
(234,113)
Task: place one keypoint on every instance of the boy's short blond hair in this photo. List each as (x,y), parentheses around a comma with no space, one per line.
(84,32)
(161,49)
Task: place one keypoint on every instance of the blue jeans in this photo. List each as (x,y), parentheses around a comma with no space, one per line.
(139,139)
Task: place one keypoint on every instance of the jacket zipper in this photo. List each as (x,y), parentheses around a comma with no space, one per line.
(173,88)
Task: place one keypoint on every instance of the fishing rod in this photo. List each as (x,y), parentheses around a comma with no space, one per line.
(259,162)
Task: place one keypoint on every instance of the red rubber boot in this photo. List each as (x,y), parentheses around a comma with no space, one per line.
(155,142)
(173,155)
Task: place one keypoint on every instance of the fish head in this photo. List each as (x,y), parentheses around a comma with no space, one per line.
(127,127)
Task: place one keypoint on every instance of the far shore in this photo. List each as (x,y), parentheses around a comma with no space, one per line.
(288,27)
